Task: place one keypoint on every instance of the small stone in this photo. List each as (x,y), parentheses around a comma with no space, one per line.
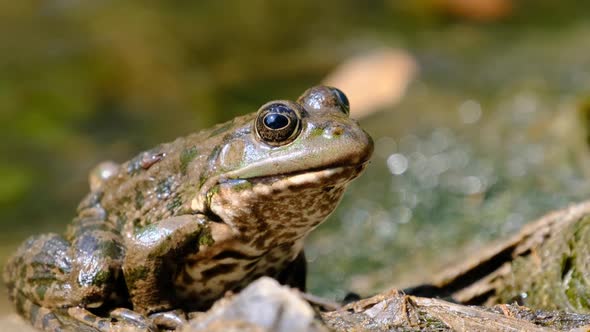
(263,306)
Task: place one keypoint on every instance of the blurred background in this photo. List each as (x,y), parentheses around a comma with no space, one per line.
(478,109)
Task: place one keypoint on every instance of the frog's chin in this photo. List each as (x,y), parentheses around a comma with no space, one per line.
(227,195)
(293,204)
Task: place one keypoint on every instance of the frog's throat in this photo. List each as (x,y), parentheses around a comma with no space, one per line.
(201,203)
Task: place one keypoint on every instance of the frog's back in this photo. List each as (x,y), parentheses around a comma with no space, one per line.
(161,182)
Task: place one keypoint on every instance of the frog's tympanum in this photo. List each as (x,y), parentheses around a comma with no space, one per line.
(175,228)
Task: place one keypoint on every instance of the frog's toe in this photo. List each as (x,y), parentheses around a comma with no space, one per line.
(120,320)
(170,320)
(128,318)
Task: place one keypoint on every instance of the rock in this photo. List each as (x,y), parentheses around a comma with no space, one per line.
(263,306)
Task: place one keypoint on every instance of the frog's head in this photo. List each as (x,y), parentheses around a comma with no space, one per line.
(283,171)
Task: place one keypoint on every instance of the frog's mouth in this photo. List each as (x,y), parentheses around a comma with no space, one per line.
(325,178)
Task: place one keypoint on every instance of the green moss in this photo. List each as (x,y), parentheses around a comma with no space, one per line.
(186,156)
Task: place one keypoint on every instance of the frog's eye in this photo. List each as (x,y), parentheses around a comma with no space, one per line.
(277,124)
(342,100)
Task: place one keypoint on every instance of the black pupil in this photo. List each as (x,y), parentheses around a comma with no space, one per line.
(342,97)
(276,121)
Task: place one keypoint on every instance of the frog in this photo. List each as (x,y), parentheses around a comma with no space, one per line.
(180,225)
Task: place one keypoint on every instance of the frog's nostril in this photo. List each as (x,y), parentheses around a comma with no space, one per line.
(336,130)
(333,130)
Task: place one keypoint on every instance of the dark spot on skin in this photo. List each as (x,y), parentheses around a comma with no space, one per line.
(174,204)
(120,221)
(164,188)
(20,304)
(41,290)
(260,227)
(127,200)
(186,156)
(192,262)
(238,255)
(251,265)
(289,236)
(136,224)
(219,269)
(87,244)
(102,325)
(260,242)
(213,156)
(139,199)
(90,318)
(111,249)
(186,278)
(34,312)
(46,322)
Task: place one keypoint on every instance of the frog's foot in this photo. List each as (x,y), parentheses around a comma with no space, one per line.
(121,319)
(170,320)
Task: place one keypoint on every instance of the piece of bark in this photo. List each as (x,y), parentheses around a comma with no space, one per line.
(395,311)
(546,265)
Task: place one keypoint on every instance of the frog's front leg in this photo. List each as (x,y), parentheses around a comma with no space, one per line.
(152,260)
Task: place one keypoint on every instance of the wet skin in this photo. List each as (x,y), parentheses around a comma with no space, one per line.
(177,226)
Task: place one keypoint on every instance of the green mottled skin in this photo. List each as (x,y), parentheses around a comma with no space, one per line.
(177,226)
